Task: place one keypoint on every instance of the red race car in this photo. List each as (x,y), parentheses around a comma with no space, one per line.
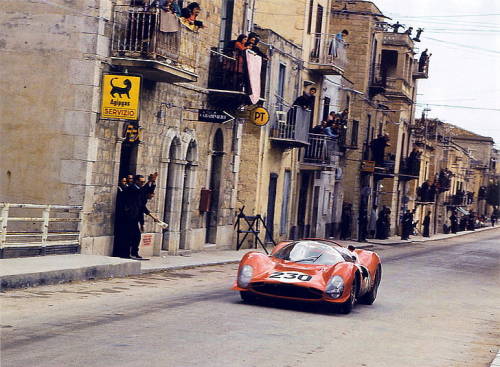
(311,270)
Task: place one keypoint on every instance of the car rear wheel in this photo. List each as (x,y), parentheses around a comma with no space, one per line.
(369,297)
(247,296)
(348,305)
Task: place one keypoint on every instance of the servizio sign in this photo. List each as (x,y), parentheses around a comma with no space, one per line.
(120,97)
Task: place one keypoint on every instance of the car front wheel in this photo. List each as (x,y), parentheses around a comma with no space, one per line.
(369,297)
(346,307)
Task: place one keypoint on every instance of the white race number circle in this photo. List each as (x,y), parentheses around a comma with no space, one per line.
(290,276)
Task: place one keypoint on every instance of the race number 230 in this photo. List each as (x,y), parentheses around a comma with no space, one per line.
(290,276)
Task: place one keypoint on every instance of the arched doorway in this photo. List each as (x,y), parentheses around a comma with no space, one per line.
(214,186)
(186,195)
(171,188)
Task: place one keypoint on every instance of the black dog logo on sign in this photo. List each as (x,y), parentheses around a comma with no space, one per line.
(121,90)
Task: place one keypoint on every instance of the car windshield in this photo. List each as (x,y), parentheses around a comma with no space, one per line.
(312,252)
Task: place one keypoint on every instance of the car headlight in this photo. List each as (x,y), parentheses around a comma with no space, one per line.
(244,276)
(335,287)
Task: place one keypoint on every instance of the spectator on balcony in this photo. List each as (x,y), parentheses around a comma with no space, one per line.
(331,116)
(236,49)
(344,115)
(427,224)
(330,131)
(189,16)
(169,15)
(422,61)
(341,35)
(319,129)
(414,162)
(409,31)
(307,99)
(253,41)
(378,149)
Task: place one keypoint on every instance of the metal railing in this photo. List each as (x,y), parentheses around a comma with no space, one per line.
(25,225)
(421,70)
(137,34)
(321,149)
(292,125)
(378,76)
(227,72)
(410,167)
(328,50)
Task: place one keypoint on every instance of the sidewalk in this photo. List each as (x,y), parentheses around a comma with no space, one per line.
(396,240)
(44,270)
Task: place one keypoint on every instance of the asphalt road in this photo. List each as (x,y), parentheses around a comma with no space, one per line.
(438,305)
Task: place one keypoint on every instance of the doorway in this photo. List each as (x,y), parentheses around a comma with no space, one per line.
(172,174)
(271,205)
(186,196)
(214,186)
(303,229)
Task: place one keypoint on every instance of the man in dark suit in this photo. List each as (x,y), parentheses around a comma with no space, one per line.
(133,209)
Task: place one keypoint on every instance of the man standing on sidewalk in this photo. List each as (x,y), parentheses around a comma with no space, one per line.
(427,223)
(454,222)
(133,213)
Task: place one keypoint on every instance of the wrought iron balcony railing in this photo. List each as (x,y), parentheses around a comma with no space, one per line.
(328,54)
(228,75)
(321,150)
(291,128)
(378,80)
(138,35)
(421,71)
(409,169)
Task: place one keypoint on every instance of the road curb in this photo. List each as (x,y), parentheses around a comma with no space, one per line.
(210,263)
(188,266)
(408,242)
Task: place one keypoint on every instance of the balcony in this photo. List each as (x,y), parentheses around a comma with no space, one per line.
(398,87)
(138,44)
(397,39)
(385,169)
(409,169)
(459,199)
(378,81)
(420,71)
(228,81)
(328,55)
(291,129)
(322,151)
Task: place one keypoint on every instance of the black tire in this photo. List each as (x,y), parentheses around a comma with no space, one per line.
(370,297)
(346,307)
(248,296)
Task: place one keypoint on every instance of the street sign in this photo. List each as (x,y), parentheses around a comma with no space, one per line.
(259,116)
(120,97)
(214,116)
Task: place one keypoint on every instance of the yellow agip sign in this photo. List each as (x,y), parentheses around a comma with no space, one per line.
(120,97)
